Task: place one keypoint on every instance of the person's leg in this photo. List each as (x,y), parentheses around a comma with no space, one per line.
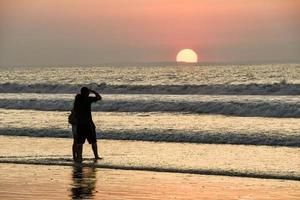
(91,137)
(80,139)
(79,152)
(74,149)
(95,150)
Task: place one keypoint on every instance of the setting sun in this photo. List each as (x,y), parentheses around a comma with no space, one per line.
(187,55)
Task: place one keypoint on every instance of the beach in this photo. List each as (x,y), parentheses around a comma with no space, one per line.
(44,169)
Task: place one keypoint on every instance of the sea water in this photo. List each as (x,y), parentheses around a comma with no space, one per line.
(245,106)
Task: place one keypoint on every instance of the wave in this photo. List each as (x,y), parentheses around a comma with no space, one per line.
(220,89)
(263,108)
(67,161)
(172,136)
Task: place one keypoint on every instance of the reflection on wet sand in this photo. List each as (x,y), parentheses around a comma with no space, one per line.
(83,182)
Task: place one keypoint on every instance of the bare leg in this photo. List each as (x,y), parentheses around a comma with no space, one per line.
(74,151)
(79,152)
(95,150)
(74,146)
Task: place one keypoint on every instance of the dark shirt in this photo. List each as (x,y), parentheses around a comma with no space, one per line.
(82,108)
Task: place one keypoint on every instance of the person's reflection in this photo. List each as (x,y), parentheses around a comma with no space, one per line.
(84,181)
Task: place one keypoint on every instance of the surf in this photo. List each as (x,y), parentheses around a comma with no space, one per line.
(62,161)
(233,105)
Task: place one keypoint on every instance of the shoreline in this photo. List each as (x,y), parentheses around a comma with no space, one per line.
(208,159)
(161,170)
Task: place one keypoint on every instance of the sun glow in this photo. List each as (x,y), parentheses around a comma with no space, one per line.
(187,55)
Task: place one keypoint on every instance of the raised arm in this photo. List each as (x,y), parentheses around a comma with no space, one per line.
(97,95)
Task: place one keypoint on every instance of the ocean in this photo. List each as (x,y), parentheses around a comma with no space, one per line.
(240,120)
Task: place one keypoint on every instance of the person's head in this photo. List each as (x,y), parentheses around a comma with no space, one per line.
(84,91)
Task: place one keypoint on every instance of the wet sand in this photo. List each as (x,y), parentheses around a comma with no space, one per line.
(42,168)
(20,181)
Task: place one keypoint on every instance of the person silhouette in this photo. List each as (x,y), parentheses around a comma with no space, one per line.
(84,128)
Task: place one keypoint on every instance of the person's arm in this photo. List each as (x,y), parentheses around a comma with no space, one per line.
(97,95)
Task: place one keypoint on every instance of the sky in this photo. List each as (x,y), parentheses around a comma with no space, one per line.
(85,32)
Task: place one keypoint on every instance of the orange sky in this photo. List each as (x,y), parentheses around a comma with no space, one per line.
(93,32)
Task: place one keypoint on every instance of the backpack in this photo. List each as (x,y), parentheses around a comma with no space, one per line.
(72,118)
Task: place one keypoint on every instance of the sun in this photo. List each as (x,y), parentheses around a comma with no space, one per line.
(187,55)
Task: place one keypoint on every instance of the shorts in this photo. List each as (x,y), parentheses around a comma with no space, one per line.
(86,132)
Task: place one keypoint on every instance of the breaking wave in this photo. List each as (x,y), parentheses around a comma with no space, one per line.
(221,89)
(171,136)
(226,107)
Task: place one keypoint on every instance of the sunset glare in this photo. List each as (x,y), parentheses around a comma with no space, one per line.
(187,55)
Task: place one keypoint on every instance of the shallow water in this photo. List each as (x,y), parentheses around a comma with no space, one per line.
(65,182)
(228,160)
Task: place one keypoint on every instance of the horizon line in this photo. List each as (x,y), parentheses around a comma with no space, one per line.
(147,63)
